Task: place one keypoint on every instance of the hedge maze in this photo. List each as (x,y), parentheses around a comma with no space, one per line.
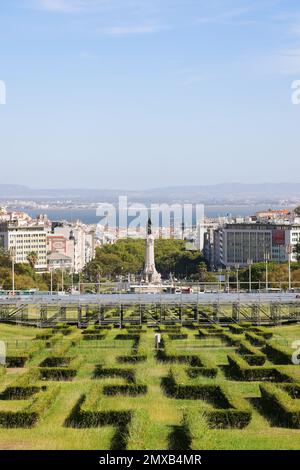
(203,386)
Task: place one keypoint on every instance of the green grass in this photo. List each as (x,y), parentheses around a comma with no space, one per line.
(158,421)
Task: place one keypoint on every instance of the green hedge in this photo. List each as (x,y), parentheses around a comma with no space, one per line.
(61,373)
(103,372)
(230,411)
(190,359)
(174,336)
(90,411)
(94,337)
(278,354)
(236,329)
(239,369)
(194,372)
(131,390)
(232,339)
(252,355)
(44,335)
(29,416)
(209,332)
(255,339)
(262,331)
(23,387)
(56,361)
(279,405)
(16,361)
(133,359)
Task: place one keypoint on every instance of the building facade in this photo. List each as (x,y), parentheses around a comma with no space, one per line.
(21,240)
(243,243)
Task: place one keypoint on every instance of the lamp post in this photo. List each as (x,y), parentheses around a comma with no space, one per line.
(62,280)
(267,257)
(51,281)
(13,253)
(228,279)
(289,250)
(250,262)
(237,267)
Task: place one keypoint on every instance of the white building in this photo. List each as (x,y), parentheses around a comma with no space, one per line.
(256,242)
(21,240)
(80,243)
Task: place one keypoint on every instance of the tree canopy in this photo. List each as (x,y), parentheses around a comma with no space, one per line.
(127,257)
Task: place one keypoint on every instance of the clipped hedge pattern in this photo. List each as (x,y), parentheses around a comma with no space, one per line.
(280,406)
(278,354)
(29,416)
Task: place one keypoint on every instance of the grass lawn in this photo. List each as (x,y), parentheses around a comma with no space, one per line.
(85,411)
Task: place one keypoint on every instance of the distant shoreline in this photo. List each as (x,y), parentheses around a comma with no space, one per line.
(88,216)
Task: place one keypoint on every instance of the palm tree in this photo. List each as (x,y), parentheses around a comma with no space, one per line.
(32,259)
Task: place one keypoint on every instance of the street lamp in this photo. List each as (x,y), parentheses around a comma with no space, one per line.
(237,267)
(289,250)
(51,281)
(228,278)
(250,262)
(267,258)
(13,253)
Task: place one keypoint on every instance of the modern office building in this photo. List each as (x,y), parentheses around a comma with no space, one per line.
(243,243)
(21,240)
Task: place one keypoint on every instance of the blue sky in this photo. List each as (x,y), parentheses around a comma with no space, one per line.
(147,93)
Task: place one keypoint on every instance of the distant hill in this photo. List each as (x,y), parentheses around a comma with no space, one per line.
(218,193)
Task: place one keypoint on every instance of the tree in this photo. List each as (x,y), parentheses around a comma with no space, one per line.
(32,259)
(297,210)
(5,259)
(127,257)
(297,249)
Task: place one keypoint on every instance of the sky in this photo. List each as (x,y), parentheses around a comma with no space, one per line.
(137,94)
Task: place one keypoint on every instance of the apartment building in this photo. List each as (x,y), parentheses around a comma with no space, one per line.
(75,241)
(21,240)
(256,242)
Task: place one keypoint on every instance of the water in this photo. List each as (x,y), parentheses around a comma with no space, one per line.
(89,216)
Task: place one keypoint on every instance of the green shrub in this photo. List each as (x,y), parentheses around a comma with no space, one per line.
(174,336)
(134,358)
(16,360)
(94,337)
(32,412)
(62,373)
(278,354)
(252,355)
(91,411)
(126,374)
(23,387)
(229,410)
(236,329)
(279,404)
(131,390)
(255,339)
(56,361)
(190,359)
(44,334)
(262,331)
(239,369)
(194,372)
(232,339)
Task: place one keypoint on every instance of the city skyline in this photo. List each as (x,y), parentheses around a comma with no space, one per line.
(144,94)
